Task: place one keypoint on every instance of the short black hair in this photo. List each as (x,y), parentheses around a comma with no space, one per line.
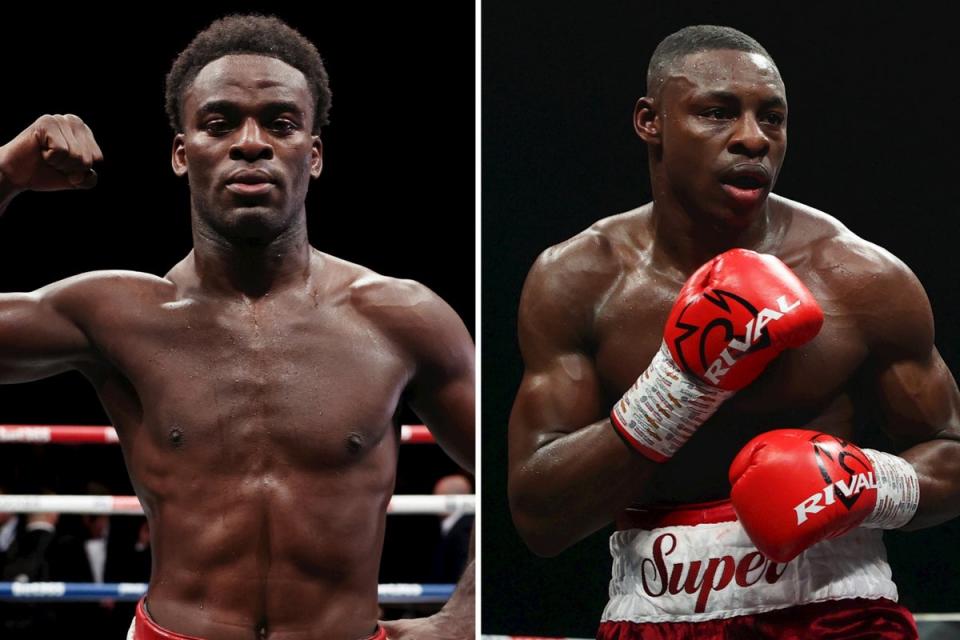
(251,34)
(694,39)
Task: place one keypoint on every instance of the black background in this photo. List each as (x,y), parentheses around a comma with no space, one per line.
(396,193)
(872,133)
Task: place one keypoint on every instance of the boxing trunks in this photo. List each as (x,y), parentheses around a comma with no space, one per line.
(144,628)
(692,572)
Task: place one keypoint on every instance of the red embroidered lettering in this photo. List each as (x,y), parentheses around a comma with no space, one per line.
(709,585)
(750,562)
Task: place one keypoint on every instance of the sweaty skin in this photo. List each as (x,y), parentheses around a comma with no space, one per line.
(256,386)
(593,310)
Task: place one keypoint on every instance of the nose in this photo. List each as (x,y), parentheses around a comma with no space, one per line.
(748,138)
(251,143)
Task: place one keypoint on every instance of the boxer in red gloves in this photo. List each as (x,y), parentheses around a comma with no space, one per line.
(658,343)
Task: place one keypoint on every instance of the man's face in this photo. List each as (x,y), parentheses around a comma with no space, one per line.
(723,133)
(247,146)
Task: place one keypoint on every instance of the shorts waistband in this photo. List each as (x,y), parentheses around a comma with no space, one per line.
(146,629)
(695,562)
(657,516)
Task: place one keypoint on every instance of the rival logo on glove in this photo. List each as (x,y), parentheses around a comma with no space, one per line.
(755,335)
(859,479)
(812,505)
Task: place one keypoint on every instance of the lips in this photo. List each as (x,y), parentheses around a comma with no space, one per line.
(250,182)
(249,176)
(746,184)
(746,176)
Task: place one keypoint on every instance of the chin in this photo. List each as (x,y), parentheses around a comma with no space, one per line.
(737,218)
(253,224)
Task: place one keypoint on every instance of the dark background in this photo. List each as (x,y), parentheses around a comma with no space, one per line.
(396,193)
(872,133)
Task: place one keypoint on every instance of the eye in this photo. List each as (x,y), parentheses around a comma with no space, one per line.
(773,117)
(718,113)
(216,127)
(284,126)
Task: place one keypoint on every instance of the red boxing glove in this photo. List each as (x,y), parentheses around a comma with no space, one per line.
(731,318)
(792,488)
(735,314)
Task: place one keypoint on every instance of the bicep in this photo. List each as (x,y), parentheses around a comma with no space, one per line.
(442,392)
(448,408)
(38,337)
(919,399)
(556,397)
(916,392)
(560,392)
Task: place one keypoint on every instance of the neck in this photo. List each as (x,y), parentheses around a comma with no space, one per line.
(252,269)
(684,241)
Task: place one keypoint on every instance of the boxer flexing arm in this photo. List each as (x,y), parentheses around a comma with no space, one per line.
(918,401)
(39,332)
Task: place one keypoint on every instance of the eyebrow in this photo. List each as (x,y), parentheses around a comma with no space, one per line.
(226,106)
(727,96)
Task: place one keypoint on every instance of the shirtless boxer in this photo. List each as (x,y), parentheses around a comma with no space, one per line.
(653,355)
(255,387)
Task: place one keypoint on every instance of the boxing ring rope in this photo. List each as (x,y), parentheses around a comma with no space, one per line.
(86,434)
(130,506)
(132,591)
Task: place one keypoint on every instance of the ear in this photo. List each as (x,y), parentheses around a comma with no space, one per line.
(646,120)
(316,158)
(178,158)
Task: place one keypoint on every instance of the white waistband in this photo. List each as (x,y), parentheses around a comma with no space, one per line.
(710,571)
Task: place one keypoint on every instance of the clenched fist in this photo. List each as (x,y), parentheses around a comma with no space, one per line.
(55,152)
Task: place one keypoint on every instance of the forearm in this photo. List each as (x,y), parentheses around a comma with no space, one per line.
(7,191)
(574,485)
(460,610)
(937,464)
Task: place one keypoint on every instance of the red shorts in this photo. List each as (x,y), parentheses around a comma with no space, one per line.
(144,628)
(854,619)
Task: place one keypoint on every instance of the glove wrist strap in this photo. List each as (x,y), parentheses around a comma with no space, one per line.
(898,491)
(664,407)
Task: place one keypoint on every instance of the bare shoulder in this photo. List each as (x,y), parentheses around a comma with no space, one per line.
(107,293)
(389,300)
(569,281)
(404,310)
(878,288)
(594,256)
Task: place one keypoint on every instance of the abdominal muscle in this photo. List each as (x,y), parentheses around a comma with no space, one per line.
(269,555)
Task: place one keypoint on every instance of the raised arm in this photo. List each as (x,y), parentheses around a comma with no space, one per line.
(39,332)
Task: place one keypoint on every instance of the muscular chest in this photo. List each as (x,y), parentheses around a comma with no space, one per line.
(804,380)
(307,383)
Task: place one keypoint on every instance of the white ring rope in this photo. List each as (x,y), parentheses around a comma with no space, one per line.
(129,505)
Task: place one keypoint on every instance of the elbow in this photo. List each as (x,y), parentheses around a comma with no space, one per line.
(538,539)
(543,536)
